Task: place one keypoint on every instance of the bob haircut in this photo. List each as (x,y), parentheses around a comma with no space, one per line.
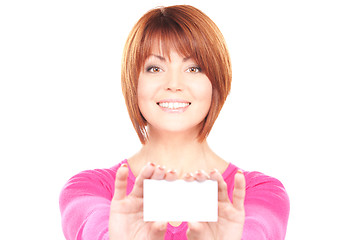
(189,32)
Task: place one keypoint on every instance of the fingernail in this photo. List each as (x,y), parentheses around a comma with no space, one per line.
(239,171)
(124,165)
(188,175)
(171,171)
(214,171)
(201,173)
(161,167)
(152,164)
(207,176)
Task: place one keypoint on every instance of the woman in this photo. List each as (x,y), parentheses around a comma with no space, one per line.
(176,75)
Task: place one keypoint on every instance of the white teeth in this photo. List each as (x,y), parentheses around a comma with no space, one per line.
(173,105)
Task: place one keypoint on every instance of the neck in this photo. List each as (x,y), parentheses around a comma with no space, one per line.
(181,152)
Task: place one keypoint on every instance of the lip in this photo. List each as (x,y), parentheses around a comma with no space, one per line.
(173,100)
(176,110)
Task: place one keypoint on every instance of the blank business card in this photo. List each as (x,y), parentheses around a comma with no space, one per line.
(180,201)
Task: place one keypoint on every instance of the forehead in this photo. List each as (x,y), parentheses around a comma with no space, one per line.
(162,40)
(167,55)
(166,49)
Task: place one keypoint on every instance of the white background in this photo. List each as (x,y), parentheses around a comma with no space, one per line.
(62,110)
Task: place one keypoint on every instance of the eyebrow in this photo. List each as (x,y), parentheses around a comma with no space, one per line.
(159,57)
(164,60)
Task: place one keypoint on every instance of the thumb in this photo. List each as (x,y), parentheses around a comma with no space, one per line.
(120,191)
(239,191)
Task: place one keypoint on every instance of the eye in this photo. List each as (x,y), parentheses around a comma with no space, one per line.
(153,69)
(194,69)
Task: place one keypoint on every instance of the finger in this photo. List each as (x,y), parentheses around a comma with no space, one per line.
(188,177)
(158,230)
(239,190)
(120,191)
(195,230)
(159,173)
(222,186)
(171,175)
(201,176)
(145,173)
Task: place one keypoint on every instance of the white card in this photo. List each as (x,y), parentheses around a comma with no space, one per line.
(180,201)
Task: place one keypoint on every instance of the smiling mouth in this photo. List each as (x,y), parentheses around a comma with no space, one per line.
(173,105)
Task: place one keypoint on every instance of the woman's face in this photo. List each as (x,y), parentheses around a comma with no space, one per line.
(174,95)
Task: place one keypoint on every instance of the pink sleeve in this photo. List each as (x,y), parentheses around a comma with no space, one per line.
(267,208)
(85,205)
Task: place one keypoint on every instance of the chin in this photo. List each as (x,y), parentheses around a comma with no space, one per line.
(177,128)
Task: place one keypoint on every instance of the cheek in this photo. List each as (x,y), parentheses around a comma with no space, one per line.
(142,90)
(146,92)
(203,90)
(143,94)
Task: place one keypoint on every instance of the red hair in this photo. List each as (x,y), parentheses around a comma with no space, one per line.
(192,34)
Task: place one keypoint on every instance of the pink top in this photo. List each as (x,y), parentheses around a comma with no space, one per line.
(86,197)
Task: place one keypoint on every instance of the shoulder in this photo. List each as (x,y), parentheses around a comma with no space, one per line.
(267,205)
(266,197)
(96,182)
(85,200)
(255,181)
(263,187)
(258,180)
(258,184)
(262,192)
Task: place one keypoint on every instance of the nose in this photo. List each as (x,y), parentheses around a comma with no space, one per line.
(174,82)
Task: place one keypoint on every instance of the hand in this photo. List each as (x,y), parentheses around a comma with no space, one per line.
(126,212)
(230,215)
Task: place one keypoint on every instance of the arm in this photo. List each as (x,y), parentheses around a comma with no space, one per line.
(85,205)
(267,208)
